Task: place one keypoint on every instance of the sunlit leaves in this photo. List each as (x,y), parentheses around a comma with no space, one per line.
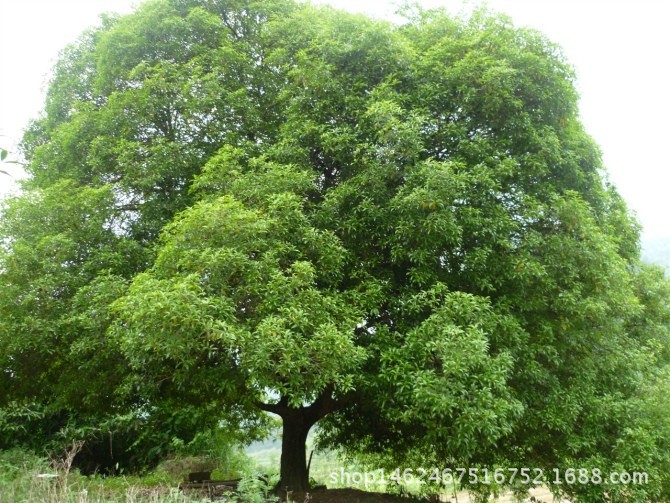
(293,332)
(451,377)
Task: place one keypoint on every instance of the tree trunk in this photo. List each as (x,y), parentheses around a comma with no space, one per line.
(293,470)
(296,424)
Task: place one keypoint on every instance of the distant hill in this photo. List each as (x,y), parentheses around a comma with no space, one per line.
(657,251)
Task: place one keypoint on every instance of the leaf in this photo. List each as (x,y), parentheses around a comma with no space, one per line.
(233,199)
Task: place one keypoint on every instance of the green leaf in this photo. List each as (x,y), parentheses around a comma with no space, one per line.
(401,230)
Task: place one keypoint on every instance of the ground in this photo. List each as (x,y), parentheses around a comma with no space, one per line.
(346,495)
(539,495)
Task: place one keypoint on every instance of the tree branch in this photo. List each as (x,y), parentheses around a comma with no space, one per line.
(280,408)
(324,405)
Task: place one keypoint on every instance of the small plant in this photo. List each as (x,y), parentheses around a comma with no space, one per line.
(63,466)
(255,488)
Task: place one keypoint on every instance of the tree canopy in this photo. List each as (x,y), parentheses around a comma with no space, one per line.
(399,231)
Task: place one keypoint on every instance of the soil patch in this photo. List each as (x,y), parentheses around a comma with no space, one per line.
(346,495)
(539,495)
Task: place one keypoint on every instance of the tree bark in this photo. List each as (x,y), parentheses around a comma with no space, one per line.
(293,469)
(296,423)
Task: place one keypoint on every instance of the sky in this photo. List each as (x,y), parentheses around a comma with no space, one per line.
(619,49)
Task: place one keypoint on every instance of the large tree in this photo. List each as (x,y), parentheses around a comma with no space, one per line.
(401,232)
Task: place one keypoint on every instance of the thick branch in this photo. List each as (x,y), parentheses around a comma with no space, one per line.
(323,405)
(280,408)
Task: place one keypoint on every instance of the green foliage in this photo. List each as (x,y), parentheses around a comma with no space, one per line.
(402,231)
(257,489)
(3,159)
(22,479)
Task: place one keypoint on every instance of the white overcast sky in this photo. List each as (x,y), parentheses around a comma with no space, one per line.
(619,49)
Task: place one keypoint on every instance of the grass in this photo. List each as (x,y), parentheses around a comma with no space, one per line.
(27,478)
